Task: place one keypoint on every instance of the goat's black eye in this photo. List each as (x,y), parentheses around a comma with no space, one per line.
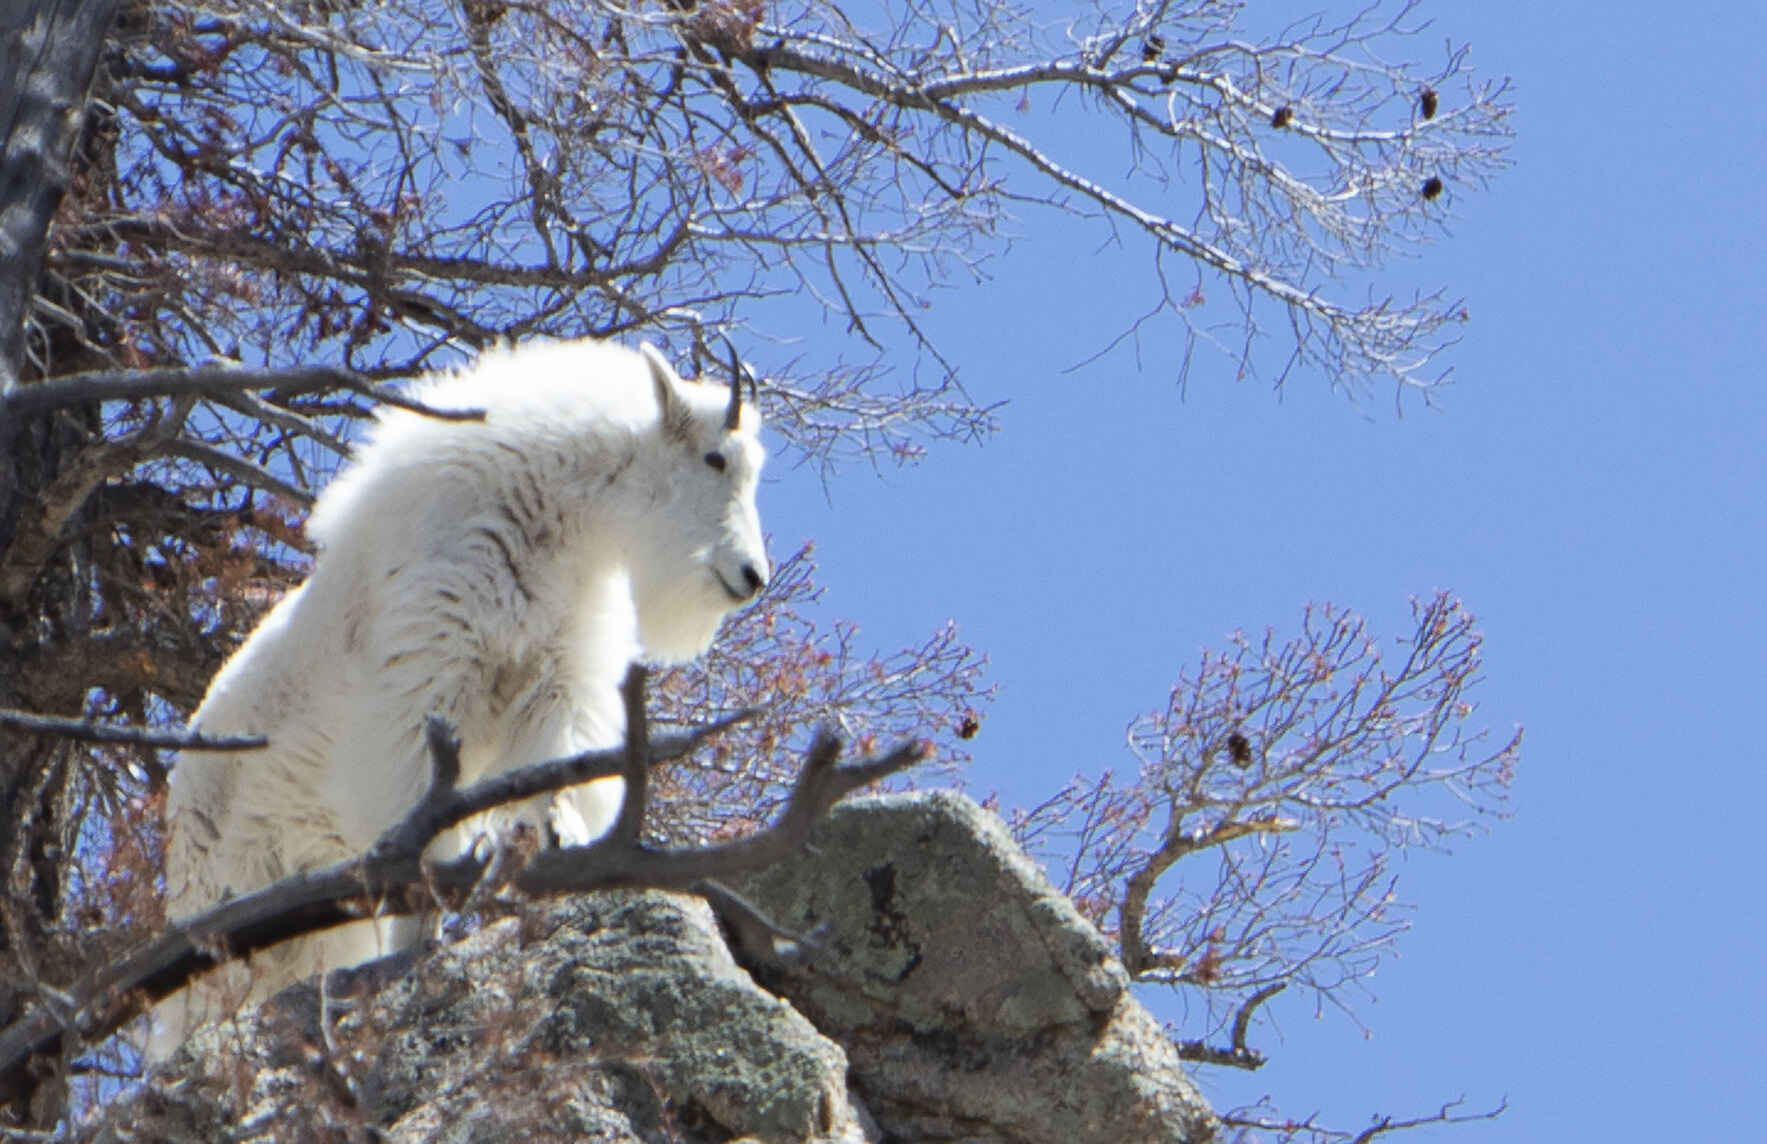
(716,460)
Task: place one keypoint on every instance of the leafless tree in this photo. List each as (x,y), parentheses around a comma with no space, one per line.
(1252,850)
(270,213)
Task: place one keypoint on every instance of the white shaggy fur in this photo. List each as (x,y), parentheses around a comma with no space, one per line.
(503,574)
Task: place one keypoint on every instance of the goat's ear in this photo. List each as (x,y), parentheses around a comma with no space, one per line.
(670,406)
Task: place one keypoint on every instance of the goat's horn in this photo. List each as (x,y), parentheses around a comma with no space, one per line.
(733,415)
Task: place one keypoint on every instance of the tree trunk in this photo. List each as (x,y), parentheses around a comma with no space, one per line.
(49,50)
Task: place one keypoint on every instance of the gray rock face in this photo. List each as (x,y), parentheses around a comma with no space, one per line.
(612,1017)
(955,995)
(642,988)
(972,999)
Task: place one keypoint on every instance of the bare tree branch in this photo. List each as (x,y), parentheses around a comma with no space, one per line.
(92,731)
(393,878)
(1237,1054)
(1262,1119)
(1288,772)
(444,806)
(216,381)
(244,471)
(1136,956)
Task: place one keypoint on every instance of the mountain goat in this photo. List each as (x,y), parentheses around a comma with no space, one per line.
(502,574)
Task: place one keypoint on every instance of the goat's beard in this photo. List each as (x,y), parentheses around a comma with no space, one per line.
(678,621)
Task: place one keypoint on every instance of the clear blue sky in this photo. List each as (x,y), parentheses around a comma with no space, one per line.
(1592,485)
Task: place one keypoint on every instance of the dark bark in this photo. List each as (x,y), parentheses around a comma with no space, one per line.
(49,50)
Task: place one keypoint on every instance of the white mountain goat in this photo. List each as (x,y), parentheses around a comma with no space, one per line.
(502,574)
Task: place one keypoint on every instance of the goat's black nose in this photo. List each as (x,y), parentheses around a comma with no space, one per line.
(755,580)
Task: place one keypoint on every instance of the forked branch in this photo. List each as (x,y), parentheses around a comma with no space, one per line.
(1138,958)
(1236,1054)
(393,879)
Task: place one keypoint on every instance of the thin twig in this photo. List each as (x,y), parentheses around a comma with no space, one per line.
(1447,1115)
(92,731)
(237,467)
